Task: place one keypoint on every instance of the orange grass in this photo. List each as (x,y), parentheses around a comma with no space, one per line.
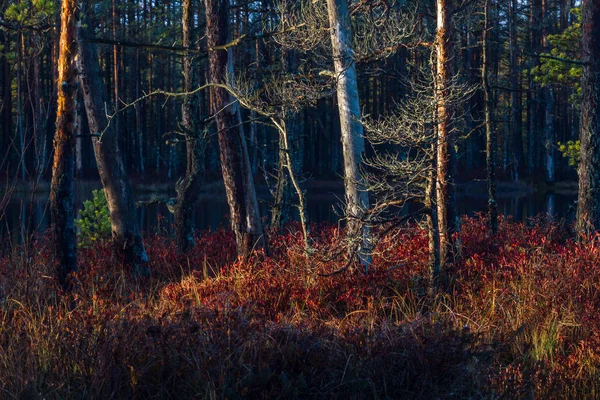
(517,317)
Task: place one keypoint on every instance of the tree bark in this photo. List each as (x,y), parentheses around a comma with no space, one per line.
(7,125)
(235,161)
(188,188)
(516,110)
(62,192)
(490,135)
(126,232)
(445,192)
(549,136)
(353,142)
(39,130)
(588,205)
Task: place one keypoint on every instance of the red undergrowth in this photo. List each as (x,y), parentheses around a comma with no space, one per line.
(516,317)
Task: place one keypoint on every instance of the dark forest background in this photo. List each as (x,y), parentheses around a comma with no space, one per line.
(534,78)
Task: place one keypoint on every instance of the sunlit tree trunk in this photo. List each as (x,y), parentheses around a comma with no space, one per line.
(353,142)
(235,161)
(588,205)
(62,192)
(188,188)
(123,214)
(446,207)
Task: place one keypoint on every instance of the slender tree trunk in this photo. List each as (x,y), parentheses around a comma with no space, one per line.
(20,130)
(7,125)
(490,135)
(446,206)
(516,125)
(280,213)
(61,192)
(549,135)
(39,130)
(235,161)
(123,213)
(188,188)
(588,205)
(353,142)
(432,224)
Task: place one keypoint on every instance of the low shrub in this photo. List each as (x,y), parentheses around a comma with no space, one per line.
(516,318)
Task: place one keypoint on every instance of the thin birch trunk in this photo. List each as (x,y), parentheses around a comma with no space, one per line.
(353,142)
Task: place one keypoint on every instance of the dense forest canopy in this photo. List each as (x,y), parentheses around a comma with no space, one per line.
(535,63)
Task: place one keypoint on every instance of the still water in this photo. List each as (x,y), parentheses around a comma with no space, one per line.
(25,214)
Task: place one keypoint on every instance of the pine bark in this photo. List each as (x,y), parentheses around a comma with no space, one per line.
(516,108)
(490,135)
(588,205)
(353,142)
(126,232)
(62,187)
(188,188)
(445,192)
(235,161)
(6,115)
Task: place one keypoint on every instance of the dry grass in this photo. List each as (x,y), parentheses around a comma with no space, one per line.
(517,318)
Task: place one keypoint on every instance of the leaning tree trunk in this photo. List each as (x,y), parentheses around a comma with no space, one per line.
(126,232)
(490,134)
(353,142)
(588,205)
(235,161)
(61,192)
(446,206)
(188,188)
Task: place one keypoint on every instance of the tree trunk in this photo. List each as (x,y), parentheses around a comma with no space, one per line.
(446,206)
(61,192)
(20,130)
(7,125)
(517,131)
(353,142)
(188,188)
(433,235)
(490,135)
(123,213)
(588,205)
(549,135)
(280,213)
(39,130)
(235,161)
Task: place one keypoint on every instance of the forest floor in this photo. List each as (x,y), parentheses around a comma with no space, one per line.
(517,317)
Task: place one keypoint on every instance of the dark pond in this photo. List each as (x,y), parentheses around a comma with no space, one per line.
(28,213)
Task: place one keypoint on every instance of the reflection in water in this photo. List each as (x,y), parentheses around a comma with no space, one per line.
(30,213)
